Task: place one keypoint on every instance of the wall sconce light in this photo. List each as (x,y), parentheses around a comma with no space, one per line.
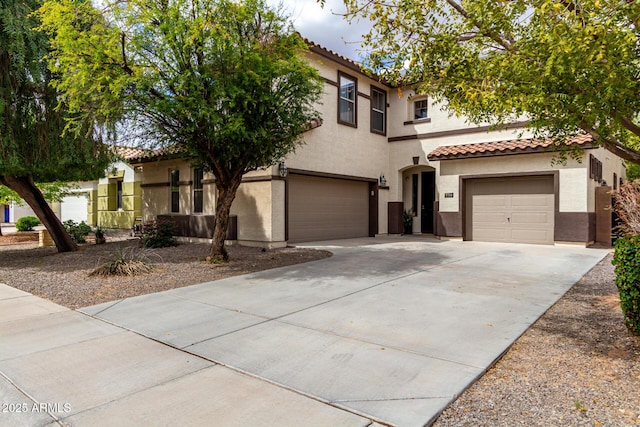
(383,181)
(416,160)
(282,170)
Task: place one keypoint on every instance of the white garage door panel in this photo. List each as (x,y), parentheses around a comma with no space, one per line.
(74,207)
(520,210)
(327,208)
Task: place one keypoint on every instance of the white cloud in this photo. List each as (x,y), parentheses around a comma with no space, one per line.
(325,26)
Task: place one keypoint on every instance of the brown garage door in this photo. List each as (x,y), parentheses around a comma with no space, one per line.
(516,210)
(327,208)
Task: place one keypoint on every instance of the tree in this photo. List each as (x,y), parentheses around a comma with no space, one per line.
(223,81)
(32,144)
(569,66)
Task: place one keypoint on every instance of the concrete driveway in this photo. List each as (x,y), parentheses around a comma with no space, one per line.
(388,330)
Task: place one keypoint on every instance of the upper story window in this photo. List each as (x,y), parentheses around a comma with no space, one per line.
(175,190)
(420,109)
(378,111)
(197,190)
(347,100)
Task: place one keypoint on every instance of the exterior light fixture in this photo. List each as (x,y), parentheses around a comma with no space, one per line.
(383,180)
(282,169)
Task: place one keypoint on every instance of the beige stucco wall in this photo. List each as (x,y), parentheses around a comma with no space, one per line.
(610,164)
(575,188)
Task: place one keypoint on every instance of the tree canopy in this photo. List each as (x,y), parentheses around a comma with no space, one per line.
(569,66)
(224,81)
(33,146)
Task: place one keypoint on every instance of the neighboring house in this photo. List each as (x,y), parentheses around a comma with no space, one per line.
(114,201)
(379,151)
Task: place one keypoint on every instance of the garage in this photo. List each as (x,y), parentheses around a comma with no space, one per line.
(322,208)
(74,207)
(510,210)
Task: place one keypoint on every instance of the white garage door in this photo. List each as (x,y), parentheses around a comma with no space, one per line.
(327,208)
(516,210)
(74,207)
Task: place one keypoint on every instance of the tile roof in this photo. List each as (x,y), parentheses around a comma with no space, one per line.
(140,154)
(514,146)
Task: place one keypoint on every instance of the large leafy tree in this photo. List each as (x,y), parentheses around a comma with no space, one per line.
(33,147)
(223,81)
(569,66)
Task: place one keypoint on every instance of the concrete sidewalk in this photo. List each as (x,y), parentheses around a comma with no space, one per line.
(386,331)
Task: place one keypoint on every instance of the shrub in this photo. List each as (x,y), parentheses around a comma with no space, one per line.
(627,207)
(78,232)
(158,234)
(26,223)
(626,258)
(126,262)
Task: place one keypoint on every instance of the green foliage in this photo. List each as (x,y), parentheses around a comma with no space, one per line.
(633,171)
(125,262)
(78,232)
(407,218)
(225,82)
(32,113)
(26,223)
(158,234)
(626,258)
(567,66)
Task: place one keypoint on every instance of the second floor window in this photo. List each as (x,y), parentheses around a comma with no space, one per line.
(175,190)
(378,111)
(347,100)
(197,190)
(420,109)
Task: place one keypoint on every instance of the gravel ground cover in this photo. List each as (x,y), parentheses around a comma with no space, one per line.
(576,366)
(64,278)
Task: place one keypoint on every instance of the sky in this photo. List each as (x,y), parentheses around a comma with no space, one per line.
(325,26)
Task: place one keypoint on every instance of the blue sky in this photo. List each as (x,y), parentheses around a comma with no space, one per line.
(324,25)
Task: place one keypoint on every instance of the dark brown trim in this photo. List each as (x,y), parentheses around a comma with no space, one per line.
(448,224)
(343,62)
(456,132)
(185,183)
(330,175)
(258,178)
(462,182)
(286,210)
(574,227)
(155,184)
(208,181)
(330,82)
(355,103)
(417,121)
(373,209)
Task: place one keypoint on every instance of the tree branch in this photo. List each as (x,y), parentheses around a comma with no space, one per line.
(616,147)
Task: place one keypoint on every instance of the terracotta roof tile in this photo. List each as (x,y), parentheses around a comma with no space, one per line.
(514,146)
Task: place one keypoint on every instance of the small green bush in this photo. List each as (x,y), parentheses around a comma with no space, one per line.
(78,232)
(158,234)
(626,258)
(26,223)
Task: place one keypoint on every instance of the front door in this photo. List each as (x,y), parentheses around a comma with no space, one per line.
(6,213)
(427,201)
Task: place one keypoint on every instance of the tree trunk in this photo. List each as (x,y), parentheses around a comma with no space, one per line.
(26,189)
(226,195)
